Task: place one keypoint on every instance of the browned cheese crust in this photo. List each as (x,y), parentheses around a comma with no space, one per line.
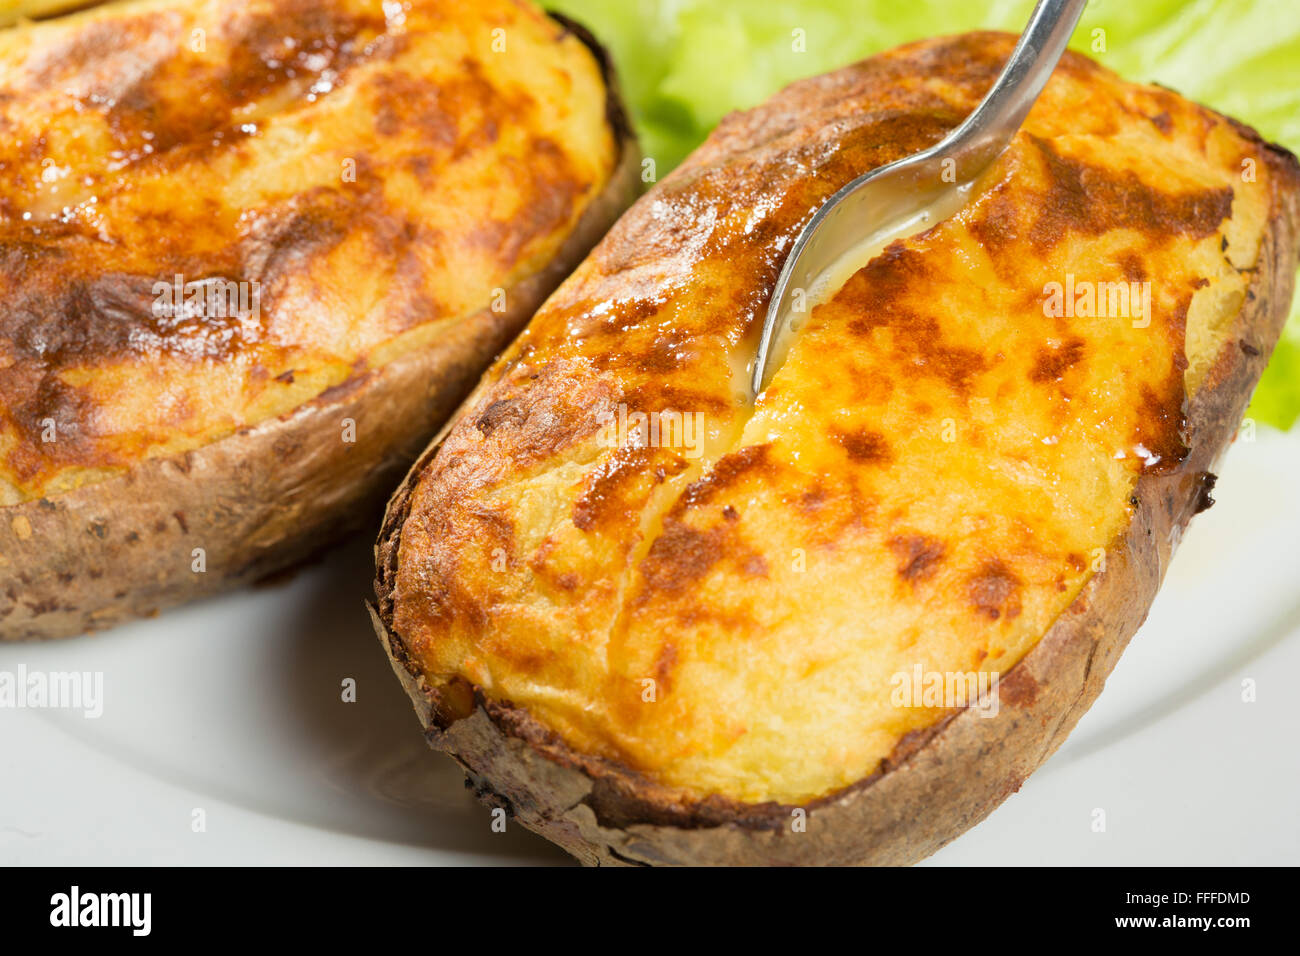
(402,194)
(528,575)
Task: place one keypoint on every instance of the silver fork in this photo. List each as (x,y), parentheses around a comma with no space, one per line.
(900,191)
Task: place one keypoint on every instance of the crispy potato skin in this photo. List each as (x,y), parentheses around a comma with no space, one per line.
(533,686)
(403,197)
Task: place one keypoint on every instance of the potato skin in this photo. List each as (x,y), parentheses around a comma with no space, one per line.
(271,495)
(936,783)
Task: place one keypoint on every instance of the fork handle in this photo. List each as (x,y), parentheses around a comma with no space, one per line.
(986,132)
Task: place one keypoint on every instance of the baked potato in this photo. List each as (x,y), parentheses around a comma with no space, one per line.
(766,643)
(251,256)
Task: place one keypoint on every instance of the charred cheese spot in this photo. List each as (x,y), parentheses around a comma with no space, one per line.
(728,472)
(875,297)
(1054,360)
(918,556)
(994,591)
(499,412)
(681,555)
(605,496)
(864,445)
(1091,199)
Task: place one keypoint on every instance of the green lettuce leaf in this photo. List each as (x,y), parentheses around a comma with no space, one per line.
(684,64)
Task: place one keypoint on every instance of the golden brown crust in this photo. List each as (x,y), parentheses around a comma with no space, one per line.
(939,780)
(273,492)
(356,173)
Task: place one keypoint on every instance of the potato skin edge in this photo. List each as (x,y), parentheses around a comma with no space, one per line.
(270,496)
(605,814)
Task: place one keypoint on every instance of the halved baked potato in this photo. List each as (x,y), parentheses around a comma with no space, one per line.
(251,255)
(661,650)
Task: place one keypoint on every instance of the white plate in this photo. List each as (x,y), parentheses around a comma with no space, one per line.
(234,707)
